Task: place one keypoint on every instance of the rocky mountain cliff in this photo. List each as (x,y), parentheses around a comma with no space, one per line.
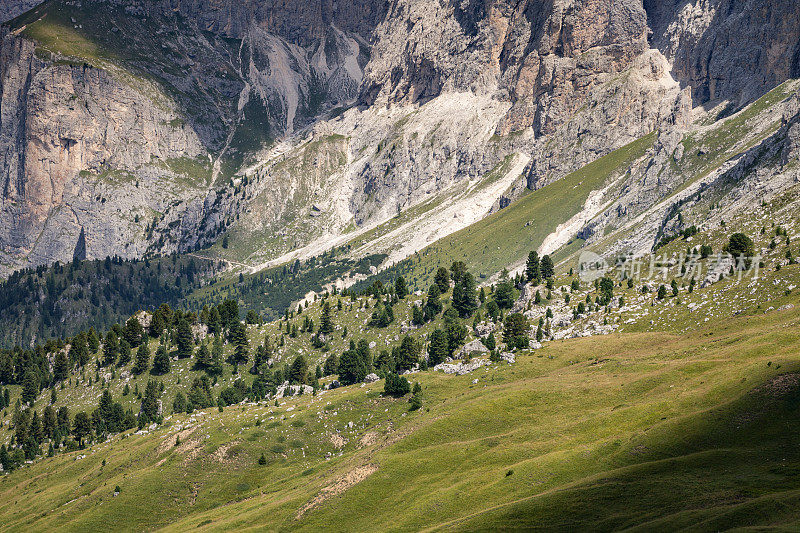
(14,8)
(152,126)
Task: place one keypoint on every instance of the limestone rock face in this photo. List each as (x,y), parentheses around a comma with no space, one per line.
(178,120)
(12,8)
(544,57)
(101,156)
(728,49)
(570,48)
(62,129)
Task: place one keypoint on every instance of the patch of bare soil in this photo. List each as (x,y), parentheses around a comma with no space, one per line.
(368,439)
(186,445)
(337,441)
(226,453)
(356,475)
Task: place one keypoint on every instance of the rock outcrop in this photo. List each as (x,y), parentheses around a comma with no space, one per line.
(164,123)
(13,8)
(71,136)
(731,50)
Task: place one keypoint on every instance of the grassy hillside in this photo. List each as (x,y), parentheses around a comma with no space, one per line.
(644,430)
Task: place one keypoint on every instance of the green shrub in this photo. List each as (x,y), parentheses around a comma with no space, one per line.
(396,386)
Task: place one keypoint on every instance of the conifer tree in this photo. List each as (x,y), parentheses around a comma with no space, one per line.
(30,386)
(331,365)
(417,316)
(400,287)
(457,269)
(5,458)
(179,403)
(408,354)
(464,295)
(351,367)
(515,331)
(124,353)
(546,267)
(78,351)
(61,366)
(326,321)
(252,317)
(532,268)
(504,293)
(365,354)
(142,363)
(396,385)
(299,370)
(202,357)
(442,280)
(35,431)
(161,363)
(215,368)
(93,343)
(158,322)
(184,339)
(432,304)
(437,349)
(149,409)
(133,332)
(81,427)
(490,342)
(214,324)
(238,337)
(110,348)
(662,292)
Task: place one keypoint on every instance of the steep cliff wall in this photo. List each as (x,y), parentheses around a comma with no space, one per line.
(13,8)
(727,49)
(132,100)
(120,101)
(73,136)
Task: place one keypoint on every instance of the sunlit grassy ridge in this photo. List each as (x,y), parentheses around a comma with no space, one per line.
(708,149)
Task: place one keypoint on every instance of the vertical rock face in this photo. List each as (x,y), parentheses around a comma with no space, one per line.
(62,126)
(572,47)
(12,8)
(545,57)
(302,23)
(127,135)
(727,49)
(119,144)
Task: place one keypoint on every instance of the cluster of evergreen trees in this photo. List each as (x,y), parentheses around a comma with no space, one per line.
(270,293)
(56,301)
(31,430)
(127,344)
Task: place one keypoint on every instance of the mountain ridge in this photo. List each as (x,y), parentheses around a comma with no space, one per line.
(284,143)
